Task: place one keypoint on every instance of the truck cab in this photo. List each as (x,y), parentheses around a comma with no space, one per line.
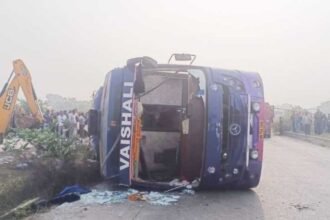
(157,124)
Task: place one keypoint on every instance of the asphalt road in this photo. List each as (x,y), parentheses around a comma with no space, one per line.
(295,185)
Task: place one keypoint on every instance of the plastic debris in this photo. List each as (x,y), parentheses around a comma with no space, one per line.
(177,182)
(174,182)
(188,192)
(195,183)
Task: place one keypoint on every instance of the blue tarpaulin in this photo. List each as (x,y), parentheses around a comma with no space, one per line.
(69,194)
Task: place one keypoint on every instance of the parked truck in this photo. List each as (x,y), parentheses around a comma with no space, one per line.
(156,125)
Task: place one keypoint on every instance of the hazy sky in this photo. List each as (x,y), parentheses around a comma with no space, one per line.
(69,45)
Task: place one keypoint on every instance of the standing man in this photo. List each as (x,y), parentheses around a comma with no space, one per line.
(82,122)
(47,119)
(60,121)
(73,124)
(318,122)
(307,121)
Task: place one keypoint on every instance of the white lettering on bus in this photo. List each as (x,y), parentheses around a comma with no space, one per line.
(126,126)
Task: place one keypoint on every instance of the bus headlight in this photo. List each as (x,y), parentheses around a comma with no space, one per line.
(254,154)
(256,106)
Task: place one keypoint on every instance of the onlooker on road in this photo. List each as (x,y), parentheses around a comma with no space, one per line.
(307,122)
(318,122)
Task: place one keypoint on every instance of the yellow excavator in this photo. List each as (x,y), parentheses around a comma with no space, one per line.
(20,77)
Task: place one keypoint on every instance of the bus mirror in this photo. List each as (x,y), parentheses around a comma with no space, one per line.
(92,122)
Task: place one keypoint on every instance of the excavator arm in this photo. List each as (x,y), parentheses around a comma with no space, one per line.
(19,78)
(25,81)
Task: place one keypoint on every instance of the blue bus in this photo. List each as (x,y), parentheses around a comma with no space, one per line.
(160,126)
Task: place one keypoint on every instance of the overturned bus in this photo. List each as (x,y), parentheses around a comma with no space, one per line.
(154,123)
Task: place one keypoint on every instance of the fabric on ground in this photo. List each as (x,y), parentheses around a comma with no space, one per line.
(69,194)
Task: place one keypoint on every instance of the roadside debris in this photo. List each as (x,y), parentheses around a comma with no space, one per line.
(105,197)
(188,192)
(157,198)
(114,197)
(21,166)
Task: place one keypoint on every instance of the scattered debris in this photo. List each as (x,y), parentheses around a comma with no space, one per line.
(177,182)
(136,197)
(195,183)
(21,166)
(6,159)
(105,197)
(113,197)
(182,185)
(188,192)
(157,198)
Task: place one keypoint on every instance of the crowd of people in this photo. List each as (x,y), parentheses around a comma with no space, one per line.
(304,121)
(66,123)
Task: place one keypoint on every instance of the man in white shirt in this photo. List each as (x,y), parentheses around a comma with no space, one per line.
(73,123)
(82,122)
(60,123)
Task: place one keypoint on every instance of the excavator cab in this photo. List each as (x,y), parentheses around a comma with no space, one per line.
(20,77)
